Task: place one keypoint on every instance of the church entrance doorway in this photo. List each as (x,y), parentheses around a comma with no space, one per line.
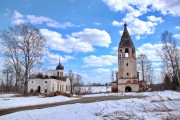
(39,89)
(128,89)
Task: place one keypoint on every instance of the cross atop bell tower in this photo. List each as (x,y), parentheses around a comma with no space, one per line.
(125,25)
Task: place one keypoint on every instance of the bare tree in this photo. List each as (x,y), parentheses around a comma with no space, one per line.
(11,52)
(170,57)
(23,47)
(112,76)
(77,84)
(145,68)
(8,77)
(71,78)
(167,83)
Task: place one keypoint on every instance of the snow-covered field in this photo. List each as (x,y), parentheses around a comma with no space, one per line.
(95,89)
(156,106)
(9,101)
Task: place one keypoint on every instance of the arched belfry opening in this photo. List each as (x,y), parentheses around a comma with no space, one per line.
(39,89)
(128,89)
(126,52)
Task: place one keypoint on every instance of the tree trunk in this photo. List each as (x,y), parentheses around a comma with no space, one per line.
(26,83)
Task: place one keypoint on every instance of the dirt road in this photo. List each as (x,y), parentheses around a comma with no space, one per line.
(81,100)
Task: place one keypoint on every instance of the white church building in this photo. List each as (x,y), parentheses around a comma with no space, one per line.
(46,84)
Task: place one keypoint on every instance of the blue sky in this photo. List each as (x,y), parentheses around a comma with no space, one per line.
(86,33)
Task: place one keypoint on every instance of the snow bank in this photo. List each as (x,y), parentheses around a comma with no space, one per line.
(8,101)
(106,110)
(7,95)
(167,106)
(95,89)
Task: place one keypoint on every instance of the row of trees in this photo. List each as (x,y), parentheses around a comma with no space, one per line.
(23,50)
(76,82)
(145,68)
(170,56)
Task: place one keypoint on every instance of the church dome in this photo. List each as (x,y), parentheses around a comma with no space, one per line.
(60,67)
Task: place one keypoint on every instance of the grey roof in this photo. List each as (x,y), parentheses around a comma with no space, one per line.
(41,76)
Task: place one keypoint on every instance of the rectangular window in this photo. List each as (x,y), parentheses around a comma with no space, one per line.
(52,88)
(57,87)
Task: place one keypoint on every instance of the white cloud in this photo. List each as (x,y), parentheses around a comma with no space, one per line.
(114,50)
(82,41)
(38,19)
(139,27)
(116,23)
(56,24)
(177,27)
(17,15)
(163,6)
(94,37)
(157,64)
(104,60)
(102,70)
(177,36)
(155,19)
(138,37)
(166,7)
(135,9)
(18,18)
(120,5)
(97,23)
(151,51)
(54,58)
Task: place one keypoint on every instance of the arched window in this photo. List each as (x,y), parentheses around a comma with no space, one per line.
(126,52)
(61,74)
(58,74)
